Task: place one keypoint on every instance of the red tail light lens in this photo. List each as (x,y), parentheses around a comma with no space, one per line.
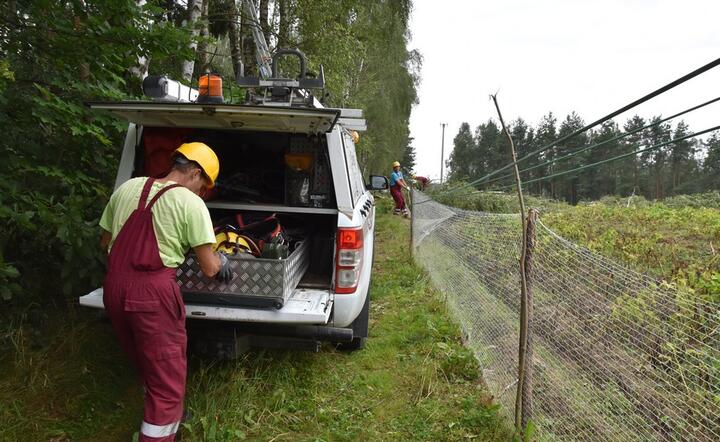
(350,239)
(349,259)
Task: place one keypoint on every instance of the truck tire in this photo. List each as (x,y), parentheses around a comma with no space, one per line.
(360,329)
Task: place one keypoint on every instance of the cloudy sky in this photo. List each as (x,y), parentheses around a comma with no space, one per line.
(588,56)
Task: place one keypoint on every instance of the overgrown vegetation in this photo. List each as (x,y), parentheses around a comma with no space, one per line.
(672,238)
(414,380)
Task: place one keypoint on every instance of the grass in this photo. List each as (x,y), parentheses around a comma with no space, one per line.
(661,240)
(413,381)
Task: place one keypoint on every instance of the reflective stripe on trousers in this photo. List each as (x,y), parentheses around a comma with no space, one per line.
(156,431)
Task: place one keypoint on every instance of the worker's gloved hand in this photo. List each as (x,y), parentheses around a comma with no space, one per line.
(225,274)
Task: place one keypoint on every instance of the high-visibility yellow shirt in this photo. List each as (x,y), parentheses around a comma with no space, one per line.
(180,218)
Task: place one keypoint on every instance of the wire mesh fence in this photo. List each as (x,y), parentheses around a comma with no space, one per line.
(617,355)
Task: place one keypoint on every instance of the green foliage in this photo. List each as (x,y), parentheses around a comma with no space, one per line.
(57,158)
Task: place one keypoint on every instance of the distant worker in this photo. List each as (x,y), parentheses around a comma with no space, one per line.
(421,181)
(397,183)
(148,226)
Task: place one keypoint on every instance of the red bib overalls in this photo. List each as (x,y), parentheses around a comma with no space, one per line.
(144,304)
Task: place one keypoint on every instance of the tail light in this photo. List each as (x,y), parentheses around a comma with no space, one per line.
(349,260)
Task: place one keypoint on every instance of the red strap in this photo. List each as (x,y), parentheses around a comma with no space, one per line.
(159,194)
(145,192)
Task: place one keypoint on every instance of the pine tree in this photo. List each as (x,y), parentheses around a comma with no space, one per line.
(408,158)
(683,165)
(463,158)
(711,165)
(601,180)
(567,187)
(491,151)
(546,133)
(629,180)
(523,138)
(656,160)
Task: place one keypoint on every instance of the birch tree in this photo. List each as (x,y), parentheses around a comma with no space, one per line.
(195,8)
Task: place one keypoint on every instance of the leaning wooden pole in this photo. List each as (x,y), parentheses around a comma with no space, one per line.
(522,347)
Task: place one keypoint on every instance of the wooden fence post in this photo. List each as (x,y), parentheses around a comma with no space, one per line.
(412,221)
(527,386)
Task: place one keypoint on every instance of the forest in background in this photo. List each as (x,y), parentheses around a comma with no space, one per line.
(686,166)
(58,159)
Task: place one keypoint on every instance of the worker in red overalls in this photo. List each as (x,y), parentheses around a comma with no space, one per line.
(421,181)
(148,226)
(397,183)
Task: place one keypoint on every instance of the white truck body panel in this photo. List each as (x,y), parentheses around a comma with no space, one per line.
(348,306)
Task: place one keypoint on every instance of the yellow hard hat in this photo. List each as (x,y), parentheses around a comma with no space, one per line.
(204,156)
(396,164)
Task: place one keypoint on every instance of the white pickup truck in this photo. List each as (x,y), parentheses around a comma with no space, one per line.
(331,301)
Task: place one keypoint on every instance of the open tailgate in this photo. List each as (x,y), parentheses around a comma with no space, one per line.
(303,307)
(223,116)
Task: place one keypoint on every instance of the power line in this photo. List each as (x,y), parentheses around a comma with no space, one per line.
(625,108)
(623,135)
(635,152)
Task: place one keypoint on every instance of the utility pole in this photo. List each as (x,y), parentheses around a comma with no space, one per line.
(442,152)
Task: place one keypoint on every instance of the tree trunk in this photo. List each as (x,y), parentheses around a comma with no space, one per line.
(11,11)
(284,25)
(80,16)
(234,35)
(140,70)
(194,13)
(203,56)
(264,24)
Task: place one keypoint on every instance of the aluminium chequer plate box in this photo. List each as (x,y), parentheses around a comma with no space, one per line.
(256,282)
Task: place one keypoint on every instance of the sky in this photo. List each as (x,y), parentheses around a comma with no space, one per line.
(587,56)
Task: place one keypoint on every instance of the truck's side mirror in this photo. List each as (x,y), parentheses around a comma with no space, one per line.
(377,182)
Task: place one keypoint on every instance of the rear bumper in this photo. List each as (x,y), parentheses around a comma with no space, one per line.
(303,307)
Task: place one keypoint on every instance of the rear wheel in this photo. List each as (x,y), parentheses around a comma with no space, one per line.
(356,344)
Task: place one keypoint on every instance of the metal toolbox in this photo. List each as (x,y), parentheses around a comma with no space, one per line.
(256,282)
